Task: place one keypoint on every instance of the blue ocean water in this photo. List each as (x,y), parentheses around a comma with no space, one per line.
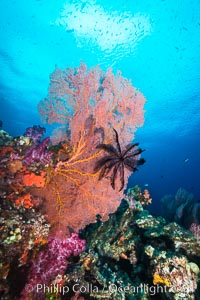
(156,44)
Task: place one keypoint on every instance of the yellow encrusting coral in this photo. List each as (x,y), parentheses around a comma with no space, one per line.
(159,279)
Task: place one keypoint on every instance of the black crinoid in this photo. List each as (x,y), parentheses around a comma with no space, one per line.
(115,162)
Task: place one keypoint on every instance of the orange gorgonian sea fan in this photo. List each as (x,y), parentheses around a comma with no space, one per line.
(91,103)
(76,93)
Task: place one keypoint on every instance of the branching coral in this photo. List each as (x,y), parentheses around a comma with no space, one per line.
(90,103)
(74,94)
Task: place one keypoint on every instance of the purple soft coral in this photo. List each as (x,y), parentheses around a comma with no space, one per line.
(51,262)
(38,151)
(35,132)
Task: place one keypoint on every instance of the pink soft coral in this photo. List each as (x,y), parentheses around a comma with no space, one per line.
(51,262)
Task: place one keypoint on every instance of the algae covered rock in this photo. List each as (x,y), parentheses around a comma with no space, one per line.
(135,255)
(5,138)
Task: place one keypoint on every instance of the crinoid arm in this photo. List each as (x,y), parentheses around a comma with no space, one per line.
(105,166)
(108,148)
(141,161)
(121,172)
(114,175)
(117,141)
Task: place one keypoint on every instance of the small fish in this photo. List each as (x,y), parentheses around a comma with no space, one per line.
(146,184)
(186,160)
(70,30)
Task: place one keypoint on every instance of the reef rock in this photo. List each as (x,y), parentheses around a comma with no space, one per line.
(135,255)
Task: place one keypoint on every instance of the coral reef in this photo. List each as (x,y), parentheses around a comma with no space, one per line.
(181,208)
(23,229)
(134,255)
(131,255)
(29,253)
(50,192)
(23,232)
